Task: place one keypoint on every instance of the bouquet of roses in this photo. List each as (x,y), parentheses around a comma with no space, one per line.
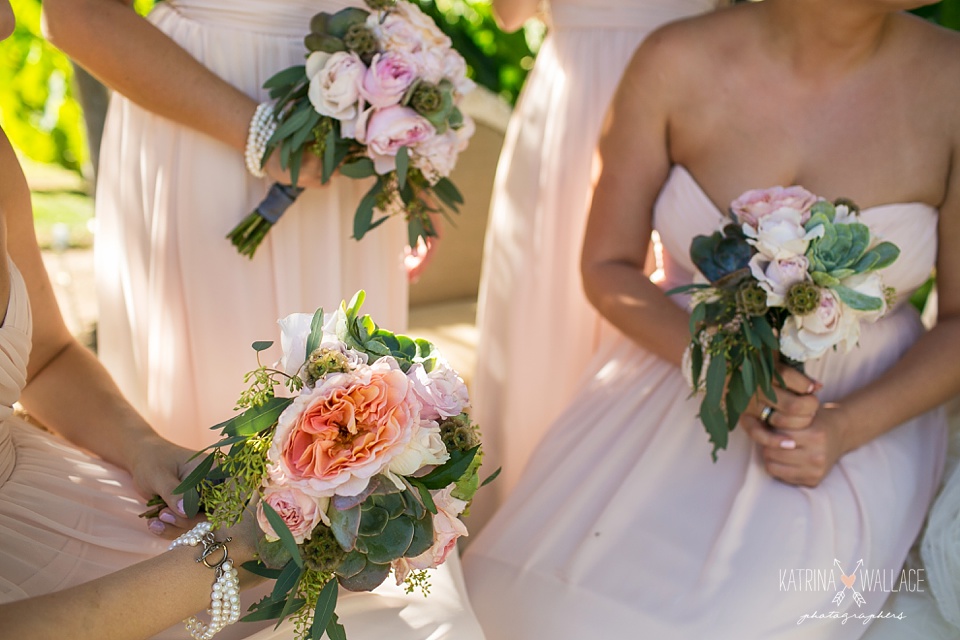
(791,277)
(362,473)
(377,97)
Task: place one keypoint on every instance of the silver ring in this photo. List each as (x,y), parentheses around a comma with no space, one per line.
(765,414)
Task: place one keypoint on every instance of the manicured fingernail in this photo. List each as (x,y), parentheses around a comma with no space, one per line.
(156,527)
(168,517)
(784,444)
(180,509)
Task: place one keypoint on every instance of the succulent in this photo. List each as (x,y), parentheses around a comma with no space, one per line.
(721,254)
(387,525)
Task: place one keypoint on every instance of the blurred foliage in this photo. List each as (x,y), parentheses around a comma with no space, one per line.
(946,13)
(37,106)
(497,60)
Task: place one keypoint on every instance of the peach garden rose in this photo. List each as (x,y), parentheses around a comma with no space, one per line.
(333,438)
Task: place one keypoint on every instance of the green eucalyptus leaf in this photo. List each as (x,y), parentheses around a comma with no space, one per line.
(316,332)
(262,345)
(290,75)
(194,477)
(360,168)
(287,580)
(364,215)
(283,532)
(450,471)
(403,165)
(323,613)
(256,419)
(335,630)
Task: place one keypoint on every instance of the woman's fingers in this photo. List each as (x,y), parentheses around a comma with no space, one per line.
(797,382)
(763,436)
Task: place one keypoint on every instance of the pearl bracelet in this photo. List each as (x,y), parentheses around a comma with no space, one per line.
(225,598)
(262,126)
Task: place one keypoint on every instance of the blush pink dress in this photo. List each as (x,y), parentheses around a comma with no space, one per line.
(622,527)
(537,332)
(179,307)
(67,517)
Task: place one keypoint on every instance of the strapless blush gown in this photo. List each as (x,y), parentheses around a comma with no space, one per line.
(179,306)
(67,517)
(622,527)
(531,300)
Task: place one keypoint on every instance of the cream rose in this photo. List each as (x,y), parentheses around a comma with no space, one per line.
(780,235)
(335,83)
(869,284)
(425,448)
(832,324)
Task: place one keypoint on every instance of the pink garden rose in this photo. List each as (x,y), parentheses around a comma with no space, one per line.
(300,512)
(832,324)
(777,276)
(389,76)
(756,204)
(442,392)
(384,131)
(335,83)
(455,70)
(333,438)
(447,528)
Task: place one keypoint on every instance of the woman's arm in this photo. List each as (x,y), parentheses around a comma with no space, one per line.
(511,14)
(634,162)
(68,390)
(133,603)
(131,56)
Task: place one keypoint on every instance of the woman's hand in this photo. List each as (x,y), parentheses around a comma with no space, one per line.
(813,452)
(311,170)
(798,447)
(158,467)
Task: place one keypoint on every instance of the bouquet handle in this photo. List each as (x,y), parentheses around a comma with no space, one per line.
(251,231)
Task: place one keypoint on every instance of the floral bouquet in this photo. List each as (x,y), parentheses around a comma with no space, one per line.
(378,97)
(362,473)
(793,275)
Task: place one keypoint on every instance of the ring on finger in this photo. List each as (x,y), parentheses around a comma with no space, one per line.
(765,414)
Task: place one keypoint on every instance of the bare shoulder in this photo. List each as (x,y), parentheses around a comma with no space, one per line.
(685,55)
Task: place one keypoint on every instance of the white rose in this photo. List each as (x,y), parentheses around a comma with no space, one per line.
(407,28)
(831,324)
(294,332)
(777,276)
(455,70)
(335,83)
(780,235)
(425,448)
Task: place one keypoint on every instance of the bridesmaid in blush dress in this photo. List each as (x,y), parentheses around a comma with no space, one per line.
(179,306)
(622,527)
(531,299)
